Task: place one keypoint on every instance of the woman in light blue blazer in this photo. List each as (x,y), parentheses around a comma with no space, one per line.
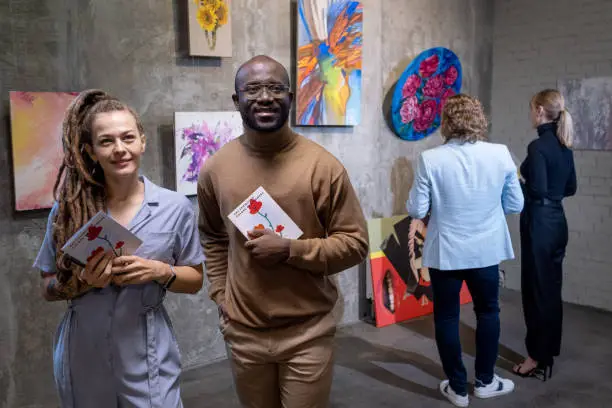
(467,185)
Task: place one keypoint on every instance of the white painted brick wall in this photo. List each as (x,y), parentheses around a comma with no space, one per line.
(536,43)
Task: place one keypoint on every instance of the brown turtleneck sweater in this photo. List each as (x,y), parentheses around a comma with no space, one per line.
(313,188)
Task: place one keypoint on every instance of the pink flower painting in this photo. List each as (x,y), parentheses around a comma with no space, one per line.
(422,91)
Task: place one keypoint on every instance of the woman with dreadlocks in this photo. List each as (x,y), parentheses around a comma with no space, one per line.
(115,346)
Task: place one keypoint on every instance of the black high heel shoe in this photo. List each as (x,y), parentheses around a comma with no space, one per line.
(542,371)
(545,370)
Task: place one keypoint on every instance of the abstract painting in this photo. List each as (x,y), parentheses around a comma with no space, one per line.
(199,135)
(210,28)
(400,283)
(36,140)
(421,92)
(329,42)
(589,101)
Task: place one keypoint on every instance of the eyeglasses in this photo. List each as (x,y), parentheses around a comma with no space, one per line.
(255,90)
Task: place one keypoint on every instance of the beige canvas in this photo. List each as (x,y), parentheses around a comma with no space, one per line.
(210,28)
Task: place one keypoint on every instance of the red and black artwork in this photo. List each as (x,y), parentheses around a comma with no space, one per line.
(401,284)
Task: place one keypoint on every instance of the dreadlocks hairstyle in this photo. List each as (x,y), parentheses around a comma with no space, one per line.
(79,187)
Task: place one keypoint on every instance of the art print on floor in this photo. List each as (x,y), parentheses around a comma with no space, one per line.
(400,283)
(329,40)
(36,140)
(589,101)
(210,28)
(197,136)
(421,92)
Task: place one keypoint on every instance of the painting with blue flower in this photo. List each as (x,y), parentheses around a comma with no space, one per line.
(421,92)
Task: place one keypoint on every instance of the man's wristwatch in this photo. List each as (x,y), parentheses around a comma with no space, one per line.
(171,278)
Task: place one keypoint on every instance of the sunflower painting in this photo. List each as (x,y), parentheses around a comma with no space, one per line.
(329,41)
(210,30)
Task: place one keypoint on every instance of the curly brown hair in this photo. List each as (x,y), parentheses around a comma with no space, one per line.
(463,118)
(79,188)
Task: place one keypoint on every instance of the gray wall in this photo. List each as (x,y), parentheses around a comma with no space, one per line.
(134,50)
(536,44)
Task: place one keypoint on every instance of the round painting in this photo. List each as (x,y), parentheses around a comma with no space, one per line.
(420,94)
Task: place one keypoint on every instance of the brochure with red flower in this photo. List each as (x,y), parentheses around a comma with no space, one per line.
(100,234)
(260,211)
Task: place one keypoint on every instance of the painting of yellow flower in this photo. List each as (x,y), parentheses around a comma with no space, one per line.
(207,17)
(210,27)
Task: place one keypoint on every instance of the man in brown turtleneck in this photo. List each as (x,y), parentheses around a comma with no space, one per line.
(275,295)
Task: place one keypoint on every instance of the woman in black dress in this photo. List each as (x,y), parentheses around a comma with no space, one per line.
(548,175)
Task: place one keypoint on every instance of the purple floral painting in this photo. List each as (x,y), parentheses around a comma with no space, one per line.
(199,135)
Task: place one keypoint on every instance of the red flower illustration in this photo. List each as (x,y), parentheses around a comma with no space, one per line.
(428,110)
(429,66)
(279,228)
(410,109)
(259,227)
(254,206)
(94,253)
(411,85)
(119,244)
(434,87)
(93,232)
(451,74)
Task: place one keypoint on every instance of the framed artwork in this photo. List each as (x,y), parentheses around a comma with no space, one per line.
(197,136)
(36,141)
(589,101)
(421,92)
(329,44)
(210,28)
(400,283)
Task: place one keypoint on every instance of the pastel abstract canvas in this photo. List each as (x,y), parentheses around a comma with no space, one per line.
(199,135)
(36,140)
(210,28)
(329,56)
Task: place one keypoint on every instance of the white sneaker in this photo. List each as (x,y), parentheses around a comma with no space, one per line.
(499,386)
(449,393)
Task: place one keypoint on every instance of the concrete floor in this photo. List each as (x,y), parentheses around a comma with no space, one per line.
(398,366)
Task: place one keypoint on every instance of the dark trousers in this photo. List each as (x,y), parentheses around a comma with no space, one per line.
(483,284)
(544,237)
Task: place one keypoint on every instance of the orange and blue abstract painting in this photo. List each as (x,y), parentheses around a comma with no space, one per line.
(329,37)
(36,138)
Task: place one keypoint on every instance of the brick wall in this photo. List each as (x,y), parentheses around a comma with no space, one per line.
(535,44)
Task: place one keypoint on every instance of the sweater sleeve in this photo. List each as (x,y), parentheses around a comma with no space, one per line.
(537,180)
(571,186)
(346,243)
(213,238)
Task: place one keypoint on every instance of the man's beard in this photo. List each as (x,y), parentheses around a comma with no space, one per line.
(251,122)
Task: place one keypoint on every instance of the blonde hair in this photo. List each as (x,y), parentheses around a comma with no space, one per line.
(463,118)
(553,104)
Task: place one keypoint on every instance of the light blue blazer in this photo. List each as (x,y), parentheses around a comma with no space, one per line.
(469,187)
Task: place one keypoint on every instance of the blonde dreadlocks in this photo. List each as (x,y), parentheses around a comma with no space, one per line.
(79,187)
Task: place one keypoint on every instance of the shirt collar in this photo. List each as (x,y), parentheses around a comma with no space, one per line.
(151,192)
